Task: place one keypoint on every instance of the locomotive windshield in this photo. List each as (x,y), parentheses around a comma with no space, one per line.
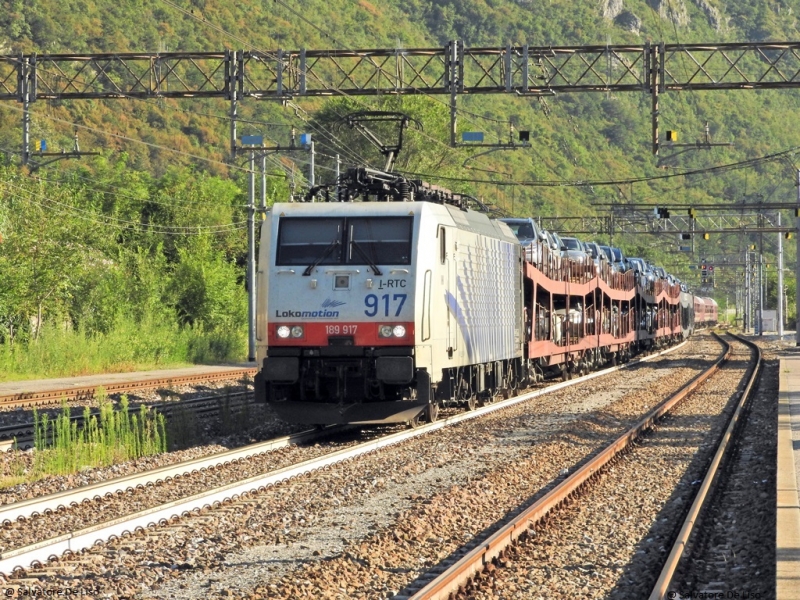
(320,241)
(382,240)
(306,241)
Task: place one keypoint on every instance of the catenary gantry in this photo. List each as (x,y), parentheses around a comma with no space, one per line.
(522,69)
(453,69)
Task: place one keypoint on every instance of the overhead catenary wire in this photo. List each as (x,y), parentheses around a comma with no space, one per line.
(139,227)
(691,97)
(491,182)
(427,95)
(332,139)
(150,144)
(335,142)
(130,139)
(127,138)
(248,45)
(563,183)
(327,34)
(107,220)
(602,182)
(191,14)
(107,189)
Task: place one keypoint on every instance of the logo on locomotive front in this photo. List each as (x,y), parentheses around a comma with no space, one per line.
(325,313)
(328,303)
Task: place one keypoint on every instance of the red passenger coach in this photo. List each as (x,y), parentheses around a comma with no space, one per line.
(713,313)
(705,312)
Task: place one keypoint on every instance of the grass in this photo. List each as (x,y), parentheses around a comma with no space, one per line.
(130,346)
(12,480)
(113,436)
(235,421)
(116,435)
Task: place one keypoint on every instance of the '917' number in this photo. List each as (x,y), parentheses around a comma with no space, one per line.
(375,304)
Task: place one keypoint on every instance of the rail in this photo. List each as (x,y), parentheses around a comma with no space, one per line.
(462,571)
(660,590)
(20,436)
(36,399)
(24,509)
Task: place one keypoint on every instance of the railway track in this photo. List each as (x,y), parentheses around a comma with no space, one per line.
(28,509)
(20,436)
(30,399)
(731,547)
(665,581)
(75,540)
(478,570)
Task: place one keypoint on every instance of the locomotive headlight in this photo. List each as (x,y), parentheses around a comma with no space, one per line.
(297,331)
(385,331)
(399,331)
(283,331)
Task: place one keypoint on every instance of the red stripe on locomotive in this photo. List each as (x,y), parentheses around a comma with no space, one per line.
(333,333)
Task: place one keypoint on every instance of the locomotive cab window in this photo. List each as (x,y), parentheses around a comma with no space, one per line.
(303,241)
(322,241)
(379,240)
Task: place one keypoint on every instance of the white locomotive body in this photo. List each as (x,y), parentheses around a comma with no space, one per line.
(378,311)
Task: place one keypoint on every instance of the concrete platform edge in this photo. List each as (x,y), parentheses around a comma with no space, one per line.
(787,538)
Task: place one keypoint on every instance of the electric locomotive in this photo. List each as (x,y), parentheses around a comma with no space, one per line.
(375,311)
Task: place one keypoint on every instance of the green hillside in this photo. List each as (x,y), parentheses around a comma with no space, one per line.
(121,221)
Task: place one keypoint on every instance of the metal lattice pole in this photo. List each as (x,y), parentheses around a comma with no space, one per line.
(25,93)
(747,292)
(760,294)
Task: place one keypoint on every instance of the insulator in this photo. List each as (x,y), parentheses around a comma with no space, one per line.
(405,190)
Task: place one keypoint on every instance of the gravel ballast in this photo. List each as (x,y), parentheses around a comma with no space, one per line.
(732,550)
(431,494)
(612,541)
